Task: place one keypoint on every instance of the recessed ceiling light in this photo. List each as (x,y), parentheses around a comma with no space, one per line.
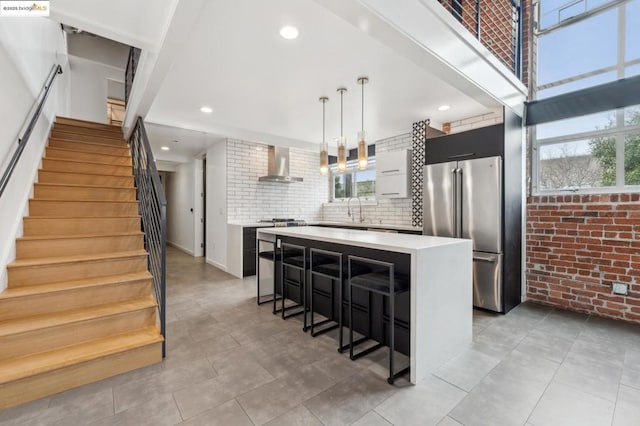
(443,107)
(206,109)
(165,148)
(289,32)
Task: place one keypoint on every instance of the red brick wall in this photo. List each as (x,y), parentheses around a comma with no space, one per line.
(577,246)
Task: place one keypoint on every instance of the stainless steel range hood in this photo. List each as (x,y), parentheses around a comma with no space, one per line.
(279,166)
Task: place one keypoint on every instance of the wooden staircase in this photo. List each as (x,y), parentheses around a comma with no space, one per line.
(79,305)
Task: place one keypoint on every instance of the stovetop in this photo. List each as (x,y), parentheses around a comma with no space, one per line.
(284,222)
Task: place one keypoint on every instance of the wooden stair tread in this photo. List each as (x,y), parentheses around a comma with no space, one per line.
(82,173)
(54,319)
(84,201)
(79,217)
(92,123)
(74,236)
(70,160)
(74,259)
(100,154)
(82,132)
(19,368)
(124,147)
(75,185)
(11,292)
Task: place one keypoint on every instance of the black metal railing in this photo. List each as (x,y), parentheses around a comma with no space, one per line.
(496,23)
(152,205)
(22,142)
(130,73)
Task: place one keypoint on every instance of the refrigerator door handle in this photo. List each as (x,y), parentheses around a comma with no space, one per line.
(485,258)
(454,202)
(458,202)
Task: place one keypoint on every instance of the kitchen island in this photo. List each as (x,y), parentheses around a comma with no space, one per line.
(440,297)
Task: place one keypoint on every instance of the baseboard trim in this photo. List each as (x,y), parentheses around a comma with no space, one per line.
(216,264)
(179,247)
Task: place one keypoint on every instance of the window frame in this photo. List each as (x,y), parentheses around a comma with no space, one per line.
(618,131)
(352,169)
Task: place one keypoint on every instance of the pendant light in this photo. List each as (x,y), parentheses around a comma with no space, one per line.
(324,148)
(363,161)
(342,140)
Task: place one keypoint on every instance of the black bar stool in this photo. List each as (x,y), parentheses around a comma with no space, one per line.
(326,264)
(273,255)
(294,257)
(383,280)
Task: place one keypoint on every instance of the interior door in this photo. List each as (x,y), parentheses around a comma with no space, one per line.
(481,202)
(439,200)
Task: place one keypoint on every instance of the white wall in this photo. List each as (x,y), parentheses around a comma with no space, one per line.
(89,84)
(29,47)
(216,252)
(179,190)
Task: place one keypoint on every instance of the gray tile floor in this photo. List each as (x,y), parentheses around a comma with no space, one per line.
(231,362)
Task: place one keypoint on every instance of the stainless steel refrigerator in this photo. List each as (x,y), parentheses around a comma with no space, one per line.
(463,199)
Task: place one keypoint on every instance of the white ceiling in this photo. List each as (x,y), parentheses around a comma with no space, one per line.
(183,144)
(265,88)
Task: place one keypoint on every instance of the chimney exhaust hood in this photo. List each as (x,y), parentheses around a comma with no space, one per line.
(278,170)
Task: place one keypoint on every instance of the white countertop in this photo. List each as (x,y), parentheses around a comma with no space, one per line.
(328,223)
(403,243)
(250,224)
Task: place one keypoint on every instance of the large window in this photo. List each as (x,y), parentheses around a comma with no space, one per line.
(583,44)
(354,182)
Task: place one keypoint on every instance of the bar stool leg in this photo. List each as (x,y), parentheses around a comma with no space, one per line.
(350,321)
(392,331)
(303,286)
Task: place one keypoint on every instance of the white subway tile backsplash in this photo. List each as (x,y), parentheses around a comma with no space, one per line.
(250,200)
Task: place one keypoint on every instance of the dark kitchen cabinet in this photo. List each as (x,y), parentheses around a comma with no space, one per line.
(248,251)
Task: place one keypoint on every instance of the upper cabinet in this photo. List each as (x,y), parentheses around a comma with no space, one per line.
(393,174)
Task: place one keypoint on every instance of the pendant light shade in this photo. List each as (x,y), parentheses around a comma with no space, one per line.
(324,148)
(363,160)
(342,140)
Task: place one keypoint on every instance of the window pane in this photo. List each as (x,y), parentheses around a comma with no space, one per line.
(581,164)
(338,186)
(554,11)
(578,48)
(632,16)
(366,183)
(632,159)
(632,116)
(586,123)
(583,83)
(632,70)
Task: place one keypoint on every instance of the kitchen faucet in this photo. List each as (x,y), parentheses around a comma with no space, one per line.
(350,214)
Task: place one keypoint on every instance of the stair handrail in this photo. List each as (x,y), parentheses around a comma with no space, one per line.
(152,205)
(22,142)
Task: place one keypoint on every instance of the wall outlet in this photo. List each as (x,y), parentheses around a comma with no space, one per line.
(620,288)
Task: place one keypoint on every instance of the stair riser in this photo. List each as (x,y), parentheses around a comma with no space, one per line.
(80,179)
(89,147)
(53,165)
(79,193)
(111,133)
(41,385)
(79,226)
(88,156)
(43,303)
(86,138)
(31,249)
(77,208)
(41,274)
(51,338)
(85,124)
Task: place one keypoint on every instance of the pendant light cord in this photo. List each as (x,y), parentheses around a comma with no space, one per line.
(323,103)
(341,128)
(362,119)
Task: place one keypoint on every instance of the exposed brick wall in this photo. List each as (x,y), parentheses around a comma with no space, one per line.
(578,245)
